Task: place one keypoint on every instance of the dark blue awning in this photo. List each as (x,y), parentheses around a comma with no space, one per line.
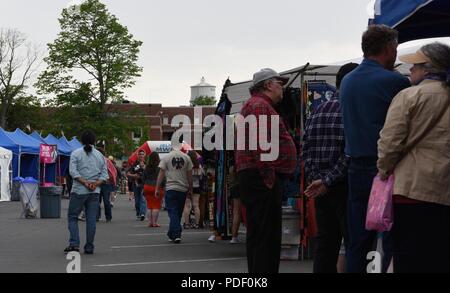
(415,19)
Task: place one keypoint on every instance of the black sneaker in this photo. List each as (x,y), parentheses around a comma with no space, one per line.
(71,249)
(88,252)
(142,218)
(177,240)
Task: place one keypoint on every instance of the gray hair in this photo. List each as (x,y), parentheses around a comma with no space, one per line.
(439,55)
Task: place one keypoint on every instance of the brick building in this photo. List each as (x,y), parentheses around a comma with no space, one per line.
(160,118)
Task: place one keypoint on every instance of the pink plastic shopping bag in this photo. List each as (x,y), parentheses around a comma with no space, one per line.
(380,216)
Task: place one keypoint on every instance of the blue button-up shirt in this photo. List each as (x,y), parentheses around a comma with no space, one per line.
(366,94)
(91,167)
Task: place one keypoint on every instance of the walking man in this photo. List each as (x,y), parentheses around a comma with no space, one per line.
(136,173)
(88,170)
(176,167)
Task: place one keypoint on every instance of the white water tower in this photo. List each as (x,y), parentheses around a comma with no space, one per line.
(202,89)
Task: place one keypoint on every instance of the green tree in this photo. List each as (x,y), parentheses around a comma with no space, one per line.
(25,113)
(204,101)
(94,54)
(91,62)
(115,130)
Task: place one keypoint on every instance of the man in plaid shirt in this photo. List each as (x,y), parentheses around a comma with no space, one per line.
(259,183)
(326,169)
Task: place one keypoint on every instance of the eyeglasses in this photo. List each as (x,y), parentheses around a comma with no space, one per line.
(281,83)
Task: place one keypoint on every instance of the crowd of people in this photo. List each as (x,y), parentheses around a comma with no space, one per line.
(379,123)
(175,180)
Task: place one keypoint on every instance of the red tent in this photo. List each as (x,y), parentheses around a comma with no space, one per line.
(161,147)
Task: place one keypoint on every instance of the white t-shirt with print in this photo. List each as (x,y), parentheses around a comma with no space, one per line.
(176,165)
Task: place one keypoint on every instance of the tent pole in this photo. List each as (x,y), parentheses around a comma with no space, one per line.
(58,172)
(39,164)
(20,155)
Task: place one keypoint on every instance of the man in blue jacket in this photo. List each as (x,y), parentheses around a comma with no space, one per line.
(366,94)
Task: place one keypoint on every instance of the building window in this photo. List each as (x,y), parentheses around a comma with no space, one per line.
(166,120)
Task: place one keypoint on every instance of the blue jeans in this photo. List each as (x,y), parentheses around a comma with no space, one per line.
(361,173)
(90,203)
(139,201)
(105,195)
(175,201)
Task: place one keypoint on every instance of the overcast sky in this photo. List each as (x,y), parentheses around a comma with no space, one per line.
(185,40)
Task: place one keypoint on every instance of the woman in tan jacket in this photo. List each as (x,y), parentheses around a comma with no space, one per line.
(415,146)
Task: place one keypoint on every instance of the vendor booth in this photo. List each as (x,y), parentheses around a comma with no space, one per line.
(7,143)
(308,87)
(29,155)
(27,150)
(64,152)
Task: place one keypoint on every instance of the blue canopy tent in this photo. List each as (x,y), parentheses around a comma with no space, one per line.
(64,151)
(50,169)
(7,143)
(414,19)
(37,136)
(75,143)
(28,153)
(63,140)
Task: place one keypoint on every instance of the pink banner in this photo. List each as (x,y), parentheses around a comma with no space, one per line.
(48,154)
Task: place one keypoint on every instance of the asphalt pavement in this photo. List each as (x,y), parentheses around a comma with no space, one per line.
(124,245)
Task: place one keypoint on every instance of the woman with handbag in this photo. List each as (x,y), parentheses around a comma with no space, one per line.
(415,147)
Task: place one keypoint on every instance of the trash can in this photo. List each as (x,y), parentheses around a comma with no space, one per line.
(15,191)
(50,197)
(28,196)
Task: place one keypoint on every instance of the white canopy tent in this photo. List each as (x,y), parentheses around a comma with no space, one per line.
(5,174)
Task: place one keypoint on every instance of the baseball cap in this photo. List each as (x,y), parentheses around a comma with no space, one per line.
(415,58)
(268,73)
